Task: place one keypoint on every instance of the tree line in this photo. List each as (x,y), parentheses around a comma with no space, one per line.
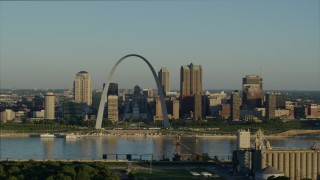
(52,170)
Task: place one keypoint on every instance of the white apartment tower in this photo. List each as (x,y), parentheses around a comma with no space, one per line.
(82,88)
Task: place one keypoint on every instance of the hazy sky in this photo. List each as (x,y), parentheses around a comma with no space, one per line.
(44,44)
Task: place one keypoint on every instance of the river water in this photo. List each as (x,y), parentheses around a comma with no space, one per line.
(140,147)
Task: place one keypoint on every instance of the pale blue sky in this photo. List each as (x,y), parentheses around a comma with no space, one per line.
(44,44)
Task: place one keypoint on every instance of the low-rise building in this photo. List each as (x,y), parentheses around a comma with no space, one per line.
(260,113)
(282,113)
(225,111)
(7,115)
(38,114)
(312,111)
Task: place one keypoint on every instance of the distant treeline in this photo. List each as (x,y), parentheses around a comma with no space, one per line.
(52,170)
(181,126)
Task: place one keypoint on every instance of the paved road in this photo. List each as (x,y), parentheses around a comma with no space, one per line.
(222,171)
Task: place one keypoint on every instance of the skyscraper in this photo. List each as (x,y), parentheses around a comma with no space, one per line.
(175,109)
(280,101)
(185,81)
(252,91)
(113,89)
(190,84)
(235,105)
(49,106)
(190,79)
(164,79)
(137,90)
(113,112)
(270,105)
(82,88)
(158,113)
(197,107)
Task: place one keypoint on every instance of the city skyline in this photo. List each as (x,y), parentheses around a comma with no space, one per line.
(41,48)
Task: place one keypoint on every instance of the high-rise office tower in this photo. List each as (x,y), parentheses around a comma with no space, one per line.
(185,81)
(235,105)
(252,91)
(270,105)
(158,114)
(280,101)
(190,79)
(38,102)
(190,84)
(82,88)
(164,79)
(113,89)
(49,106)
(175,109)
(137,90)
(113,112)
(197,107)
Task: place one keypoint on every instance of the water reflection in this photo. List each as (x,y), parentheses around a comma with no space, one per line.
(95,147)
(48,147)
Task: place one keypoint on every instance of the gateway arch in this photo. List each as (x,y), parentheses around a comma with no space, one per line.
(104,95)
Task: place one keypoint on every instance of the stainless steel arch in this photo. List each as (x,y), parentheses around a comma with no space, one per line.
(104,92)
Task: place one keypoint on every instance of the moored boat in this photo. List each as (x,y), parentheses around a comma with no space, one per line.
(46,135)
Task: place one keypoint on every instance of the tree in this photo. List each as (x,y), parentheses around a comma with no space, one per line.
(12,178)
(50,178)
(13,170)
(55,170)
(83,175)
(69,171)
(62,176)
(131,175)
(2,172)
(21,176)
(278,178)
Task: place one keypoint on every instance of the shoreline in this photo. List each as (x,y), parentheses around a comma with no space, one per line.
(27,135)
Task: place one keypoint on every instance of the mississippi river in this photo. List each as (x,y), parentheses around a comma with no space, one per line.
(160,146)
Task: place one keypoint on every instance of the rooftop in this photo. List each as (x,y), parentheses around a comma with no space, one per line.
(83,72)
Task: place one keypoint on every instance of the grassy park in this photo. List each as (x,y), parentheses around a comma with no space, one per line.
(210,127)
(177,174)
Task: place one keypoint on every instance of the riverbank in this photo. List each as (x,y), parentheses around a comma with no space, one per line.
(26,135)
(20,135)
(157,133)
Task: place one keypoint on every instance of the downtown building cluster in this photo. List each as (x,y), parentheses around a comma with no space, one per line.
(191,102)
